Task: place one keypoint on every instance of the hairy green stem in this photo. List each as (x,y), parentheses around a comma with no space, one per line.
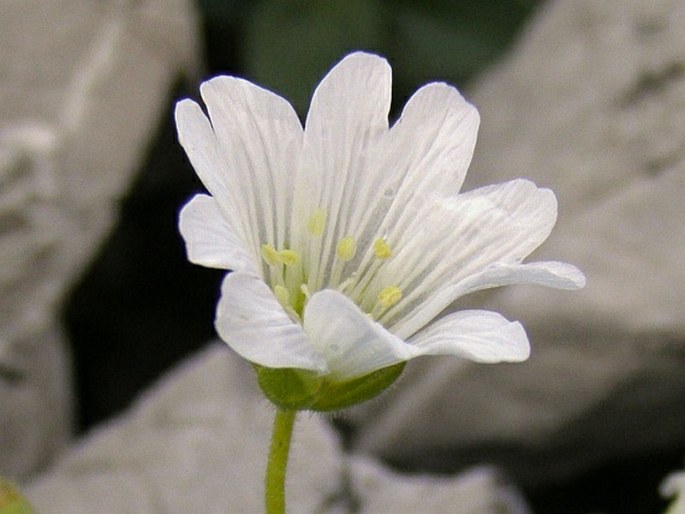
(278,461)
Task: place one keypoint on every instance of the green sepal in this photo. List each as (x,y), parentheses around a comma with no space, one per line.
(296,389)
(289,388)
(339,395)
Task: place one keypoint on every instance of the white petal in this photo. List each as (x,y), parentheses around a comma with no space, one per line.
(480,336)
(558,275)
(199,142)
(252,322)
(426,153)
(432,142)
(210,241)
(451,239)
(260,138)
(352,343)
(347,117)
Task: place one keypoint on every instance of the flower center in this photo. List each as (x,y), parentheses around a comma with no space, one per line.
(288,274)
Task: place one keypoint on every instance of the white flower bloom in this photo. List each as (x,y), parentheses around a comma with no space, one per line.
(674,487)
(348,238)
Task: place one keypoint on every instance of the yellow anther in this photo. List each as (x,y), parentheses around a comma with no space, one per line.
(381,249)
(317,222)
(347,248)
(282,295)
(288,257)
(270,254)
(389,296)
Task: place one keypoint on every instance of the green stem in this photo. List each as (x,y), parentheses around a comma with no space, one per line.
(278,461)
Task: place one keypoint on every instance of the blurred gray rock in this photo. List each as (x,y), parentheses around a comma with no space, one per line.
(591,102)
(83,86)
(480,490)
(197,442)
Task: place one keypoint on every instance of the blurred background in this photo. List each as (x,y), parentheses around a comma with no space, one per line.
(141,307)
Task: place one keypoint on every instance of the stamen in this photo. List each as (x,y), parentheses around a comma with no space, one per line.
(288,257)
(282,295)
(270,254)
(317,222)
(305,291)
(347,248)
(341,287)
(389,296)
(381,249)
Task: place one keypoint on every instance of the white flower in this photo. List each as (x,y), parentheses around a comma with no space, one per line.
(674,487)
(348,238)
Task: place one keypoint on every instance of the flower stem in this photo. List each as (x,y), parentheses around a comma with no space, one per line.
(278,461)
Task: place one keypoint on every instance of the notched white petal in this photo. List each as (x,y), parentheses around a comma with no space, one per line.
(357,88)
(346,120)
(352,343)
(209,239)
(478,335)
(433,141)
(259,137)
(197,138)
(252,322)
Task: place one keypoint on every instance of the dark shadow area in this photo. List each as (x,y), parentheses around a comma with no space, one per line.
(629,486)
(142,306)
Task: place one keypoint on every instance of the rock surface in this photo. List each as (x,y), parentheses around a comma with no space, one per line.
(480,490)
(590,102)
(197,442)
(83,86)
(194,443)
